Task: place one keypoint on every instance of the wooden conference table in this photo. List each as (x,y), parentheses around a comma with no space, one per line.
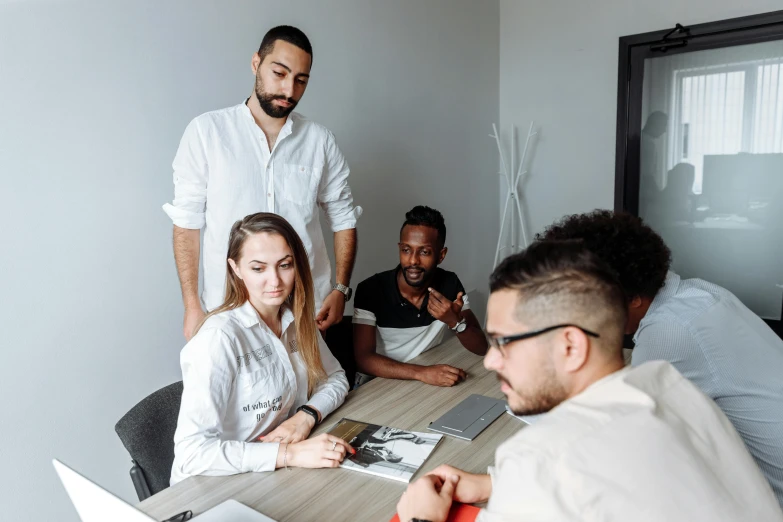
(339,494)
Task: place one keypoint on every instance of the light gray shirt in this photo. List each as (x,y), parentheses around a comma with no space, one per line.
(729,353)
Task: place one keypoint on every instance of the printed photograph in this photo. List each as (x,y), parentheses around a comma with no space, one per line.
(385,451)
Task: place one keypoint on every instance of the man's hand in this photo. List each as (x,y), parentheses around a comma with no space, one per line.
(331,311)
(429,498)
(444,310)
(193,317)
(441,375)
(471,488)
(293,430)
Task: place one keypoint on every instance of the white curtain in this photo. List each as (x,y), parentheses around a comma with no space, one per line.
(721,101)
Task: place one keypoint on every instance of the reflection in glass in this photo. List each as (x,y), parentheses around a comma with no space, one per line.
(711,167)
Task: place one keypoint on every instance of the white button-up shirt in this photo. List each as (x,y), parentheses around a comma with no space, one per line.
(641,444)
(224,171)
(241,381)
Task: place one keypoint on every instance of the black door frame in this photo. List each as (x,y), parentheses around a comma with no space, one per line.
(634,49)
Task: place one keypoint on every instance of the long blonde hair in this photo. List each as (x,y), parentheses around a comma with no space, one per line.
(301,298)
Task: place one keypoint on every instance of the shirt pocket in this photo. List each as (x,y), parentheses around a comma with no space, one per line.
(300,185)
(260,394)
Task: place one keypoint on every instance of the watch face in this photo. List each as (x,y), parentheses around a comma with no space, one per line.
(461,327)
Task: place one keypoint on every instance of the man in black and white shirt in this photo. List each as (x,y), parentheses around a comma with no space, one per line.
(401,313)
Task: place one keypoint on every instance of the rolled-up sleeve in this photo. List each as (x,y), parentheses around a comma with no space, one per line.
(199,446)
(334,194)
(191,172)
(329,394)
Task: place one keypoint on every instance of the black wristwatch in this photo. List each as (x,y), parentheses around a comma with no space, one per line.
(308,410)
(419,520)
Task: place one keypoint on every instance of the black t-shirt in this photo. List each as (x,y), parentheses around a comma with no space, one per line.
(404,331)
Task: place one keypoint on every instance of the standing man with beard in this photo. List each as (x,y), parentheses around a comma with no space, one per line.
(260,156)
(404,312)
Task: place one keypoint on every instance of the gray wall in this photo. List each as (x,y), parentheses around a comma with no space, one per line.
(558,66)
(93,100)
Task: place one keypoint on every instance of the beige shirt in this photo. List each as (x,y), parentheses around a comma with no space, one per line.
(642,444)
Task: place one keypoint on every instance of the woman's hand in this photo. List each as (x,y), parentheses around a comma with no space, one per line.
(323,451)
(295,429)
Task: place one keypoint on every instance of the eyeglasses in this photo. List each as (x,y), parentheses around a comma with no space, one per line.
(499,343)
(182,517)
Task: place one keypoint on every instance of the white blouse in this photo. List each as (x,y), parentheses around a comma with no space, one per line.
(241,381)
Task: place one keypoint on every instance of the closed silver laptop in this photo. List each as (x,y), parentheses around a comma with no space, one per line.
(470,417)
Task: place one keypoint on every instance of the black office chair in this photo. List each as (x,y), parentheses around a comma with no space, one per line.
(147,432)
(339,339)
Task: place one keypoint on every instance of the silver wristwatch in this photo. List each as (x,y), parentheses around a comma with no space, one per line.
(460,326)
(345,290)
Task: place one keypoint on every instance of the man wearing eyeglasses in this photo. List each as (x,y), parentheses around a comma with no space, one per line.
(704,330)
(616,443)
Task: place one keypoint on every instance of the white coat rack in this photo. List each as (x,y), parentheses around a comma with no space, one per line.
(515,217)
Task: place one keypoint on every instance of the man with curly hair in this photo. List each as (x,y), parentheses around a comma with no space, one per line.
(702,329)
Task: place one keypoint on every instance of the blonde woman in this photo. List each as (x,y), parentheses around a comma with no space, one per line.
(257,375)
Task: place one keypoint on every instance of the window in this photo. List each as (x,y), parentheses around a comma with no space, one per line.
(727,109)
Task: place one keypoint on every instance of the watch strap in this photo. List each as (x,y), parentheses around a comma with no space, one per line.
(345,290)
(456,326)
(308,410)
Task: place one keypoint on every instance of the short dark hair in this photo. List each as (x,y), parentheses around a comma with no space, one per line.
(564,282)
(288,34)
(632,249)
(423,216)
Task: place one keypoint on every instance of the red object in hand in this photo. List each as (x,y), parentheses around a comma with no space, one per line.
(459,513)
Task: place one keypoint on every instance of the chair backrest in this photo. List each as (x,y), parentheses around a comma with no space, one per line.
(147,432)
(339,339)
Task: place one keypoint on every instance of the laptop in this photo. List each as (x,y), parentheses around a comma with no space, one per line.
(95,504)
(469,418)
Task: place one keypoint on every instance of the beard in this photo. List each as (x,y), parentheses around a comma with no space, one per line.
(426,276)
(544,398)
(265,100)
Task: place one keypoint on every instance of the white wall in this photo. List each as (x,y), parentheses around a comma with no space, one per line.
(94,97)
(558,66)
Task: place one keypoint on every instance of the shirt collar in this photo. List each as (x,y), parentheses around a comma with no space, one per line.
(606,379)
(286,130)
(248,316)
(288,126)
(670,286)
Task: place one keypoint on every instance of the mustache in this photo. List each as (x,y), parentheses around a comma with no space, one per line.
(501,380)
(283,97)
